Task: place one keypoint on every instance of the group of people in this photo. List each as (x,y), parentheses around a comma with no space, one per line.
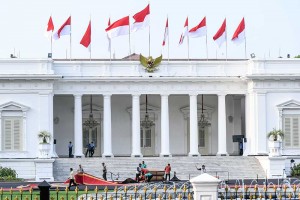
(72,181)
(90,149)
(142,174)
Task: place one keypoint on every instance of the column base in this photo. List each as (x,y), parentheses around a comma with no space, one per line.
(107,155)
(79,155)
(44,169)
(222,154)
(136,155)
(194,154)
(165,155)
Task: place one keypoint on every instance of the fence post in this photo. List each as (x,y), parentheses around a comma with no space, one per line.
(44,190)
(205,187)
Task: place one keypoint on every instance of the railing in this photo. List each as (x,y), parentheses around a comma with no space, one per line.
(147,191)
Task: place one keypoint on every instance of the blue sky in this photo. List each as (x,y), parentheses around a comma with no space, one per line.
(272,27)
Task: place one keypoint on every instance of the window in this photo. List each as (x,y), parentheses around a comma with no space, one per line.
(12,134)
(145,137)
(291,131)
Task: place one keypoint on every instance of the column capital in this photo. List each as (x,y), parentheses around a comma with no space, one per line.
(221,94)
(107,95)
(164,95)
(135,95)
(193,94)
(77,95)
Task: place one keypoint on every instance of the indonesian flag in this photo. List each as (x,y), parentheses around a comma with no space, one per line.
(65,29)
(119,27)
(185,31)
(239,35)
(87,37)
(199,30)
(166,35)
(220,36)
(50,27)
(142,19)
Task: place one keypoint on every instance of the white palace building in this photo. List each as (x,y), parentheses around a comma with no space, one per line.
(194,108)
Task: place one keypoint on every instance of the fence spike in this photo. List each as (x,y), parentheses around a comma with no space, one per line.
(76,190)
(52,198)
(121,197)
(21,190)
(105,189)
(299,196)
(57,190)
(67,189)
(101,197)
(165,188)
(72,198)
(145,189)
(159,197)
(111,197)
(170,197)
(10,191)
(81,198)
(290,195)
(241,196)
(179,196)
(150,196)
(96,189)
(174,188)
(116,189)
(16,198)
(1,191)
(130,197)
(294,188)
(86,190)
(184,188)
(236,187)
(125,189)
(61,198)
(26,198)
(189,196)
(140,197)
(270,196)
(135,189)
(6,198)
(36,198)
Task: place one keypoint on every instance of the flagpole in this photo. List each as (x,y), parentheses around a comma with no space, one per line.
(188,39)
(129,37)
(71,39)
(149,29)
(206,46)
(51,39)
(168,39)
(226,40)
(91,39)
(245,42)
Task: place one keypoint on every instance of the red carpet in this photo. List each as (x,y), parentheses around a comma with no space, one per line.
(87,179)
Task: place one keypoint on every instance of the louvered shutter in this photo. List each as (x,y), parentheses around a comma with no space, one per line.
(7,134)
(295,135)
(12,135)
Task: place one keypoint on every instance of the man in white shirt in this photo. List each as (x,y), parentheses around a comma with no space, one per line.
(72,179)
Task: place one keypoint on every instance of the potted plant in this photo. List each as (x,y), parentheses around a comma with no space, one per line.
(44,136)
(275,133)
(44,146)
(275,144)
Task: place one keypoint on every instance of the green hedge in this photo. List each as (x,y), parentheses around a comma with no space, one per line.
(8,174)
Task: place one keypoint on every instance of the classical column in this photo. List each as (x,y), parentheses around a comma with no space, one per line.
(165,135)
(136,127)
(193,126)
(221,125)
(261,133)
(78,126)
(107,143)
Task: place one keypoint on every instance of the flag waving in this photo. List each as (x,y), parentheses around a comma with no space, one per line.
(199,30)
(220,37)
(239,35)
(142,19)
(118,28)
(166,35)
(50,28)
(65,29)
(185,31)
(87,37)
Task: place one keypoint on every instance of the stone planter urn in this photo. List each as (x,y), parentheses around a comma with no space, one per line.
(275,148)
(44,149)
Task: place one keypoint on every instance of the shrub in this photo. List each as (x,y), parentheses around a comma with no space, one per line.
(8,174)
(295,170)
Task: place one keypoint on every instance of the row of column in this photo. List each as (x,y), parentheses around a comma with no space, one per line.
(165,135)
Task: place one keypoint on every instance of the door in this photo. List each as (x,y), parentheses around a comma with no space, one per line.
(147,141)
(92,135)
(203,141)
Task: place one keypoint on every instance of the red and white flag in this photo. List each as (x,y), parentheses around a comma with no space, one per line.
(185,31)
(220,37)
(239,35)
(166,35)
(65,29)
(118,28)
(87,37)
(199,30)
(142,19)
(50,27)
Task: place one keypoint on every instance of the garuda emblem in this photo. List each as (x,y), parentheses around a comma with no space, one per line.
(149,63)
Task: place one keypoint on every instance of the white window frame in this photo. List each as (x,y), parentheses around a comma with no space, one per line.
(14,110)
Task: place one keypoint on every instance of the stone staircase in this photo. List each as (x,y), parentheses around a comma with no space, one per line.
(225,167)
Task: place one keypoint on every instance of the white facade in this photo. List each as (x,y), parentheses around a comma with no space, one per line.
(241,97)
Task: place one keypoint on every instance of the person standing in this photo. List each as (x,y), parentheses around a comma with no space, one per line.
(138,172)
(143,166)
(80,169)
(92,149)
(72,179)
(70,147)
(167,171)
(104,171)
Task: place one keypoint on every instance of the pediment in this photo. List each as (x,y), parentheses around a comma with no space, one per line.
(13,106)
(291,104)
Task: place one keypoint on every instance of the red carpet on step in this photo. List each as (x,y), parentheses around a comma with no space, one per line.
(87,179)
